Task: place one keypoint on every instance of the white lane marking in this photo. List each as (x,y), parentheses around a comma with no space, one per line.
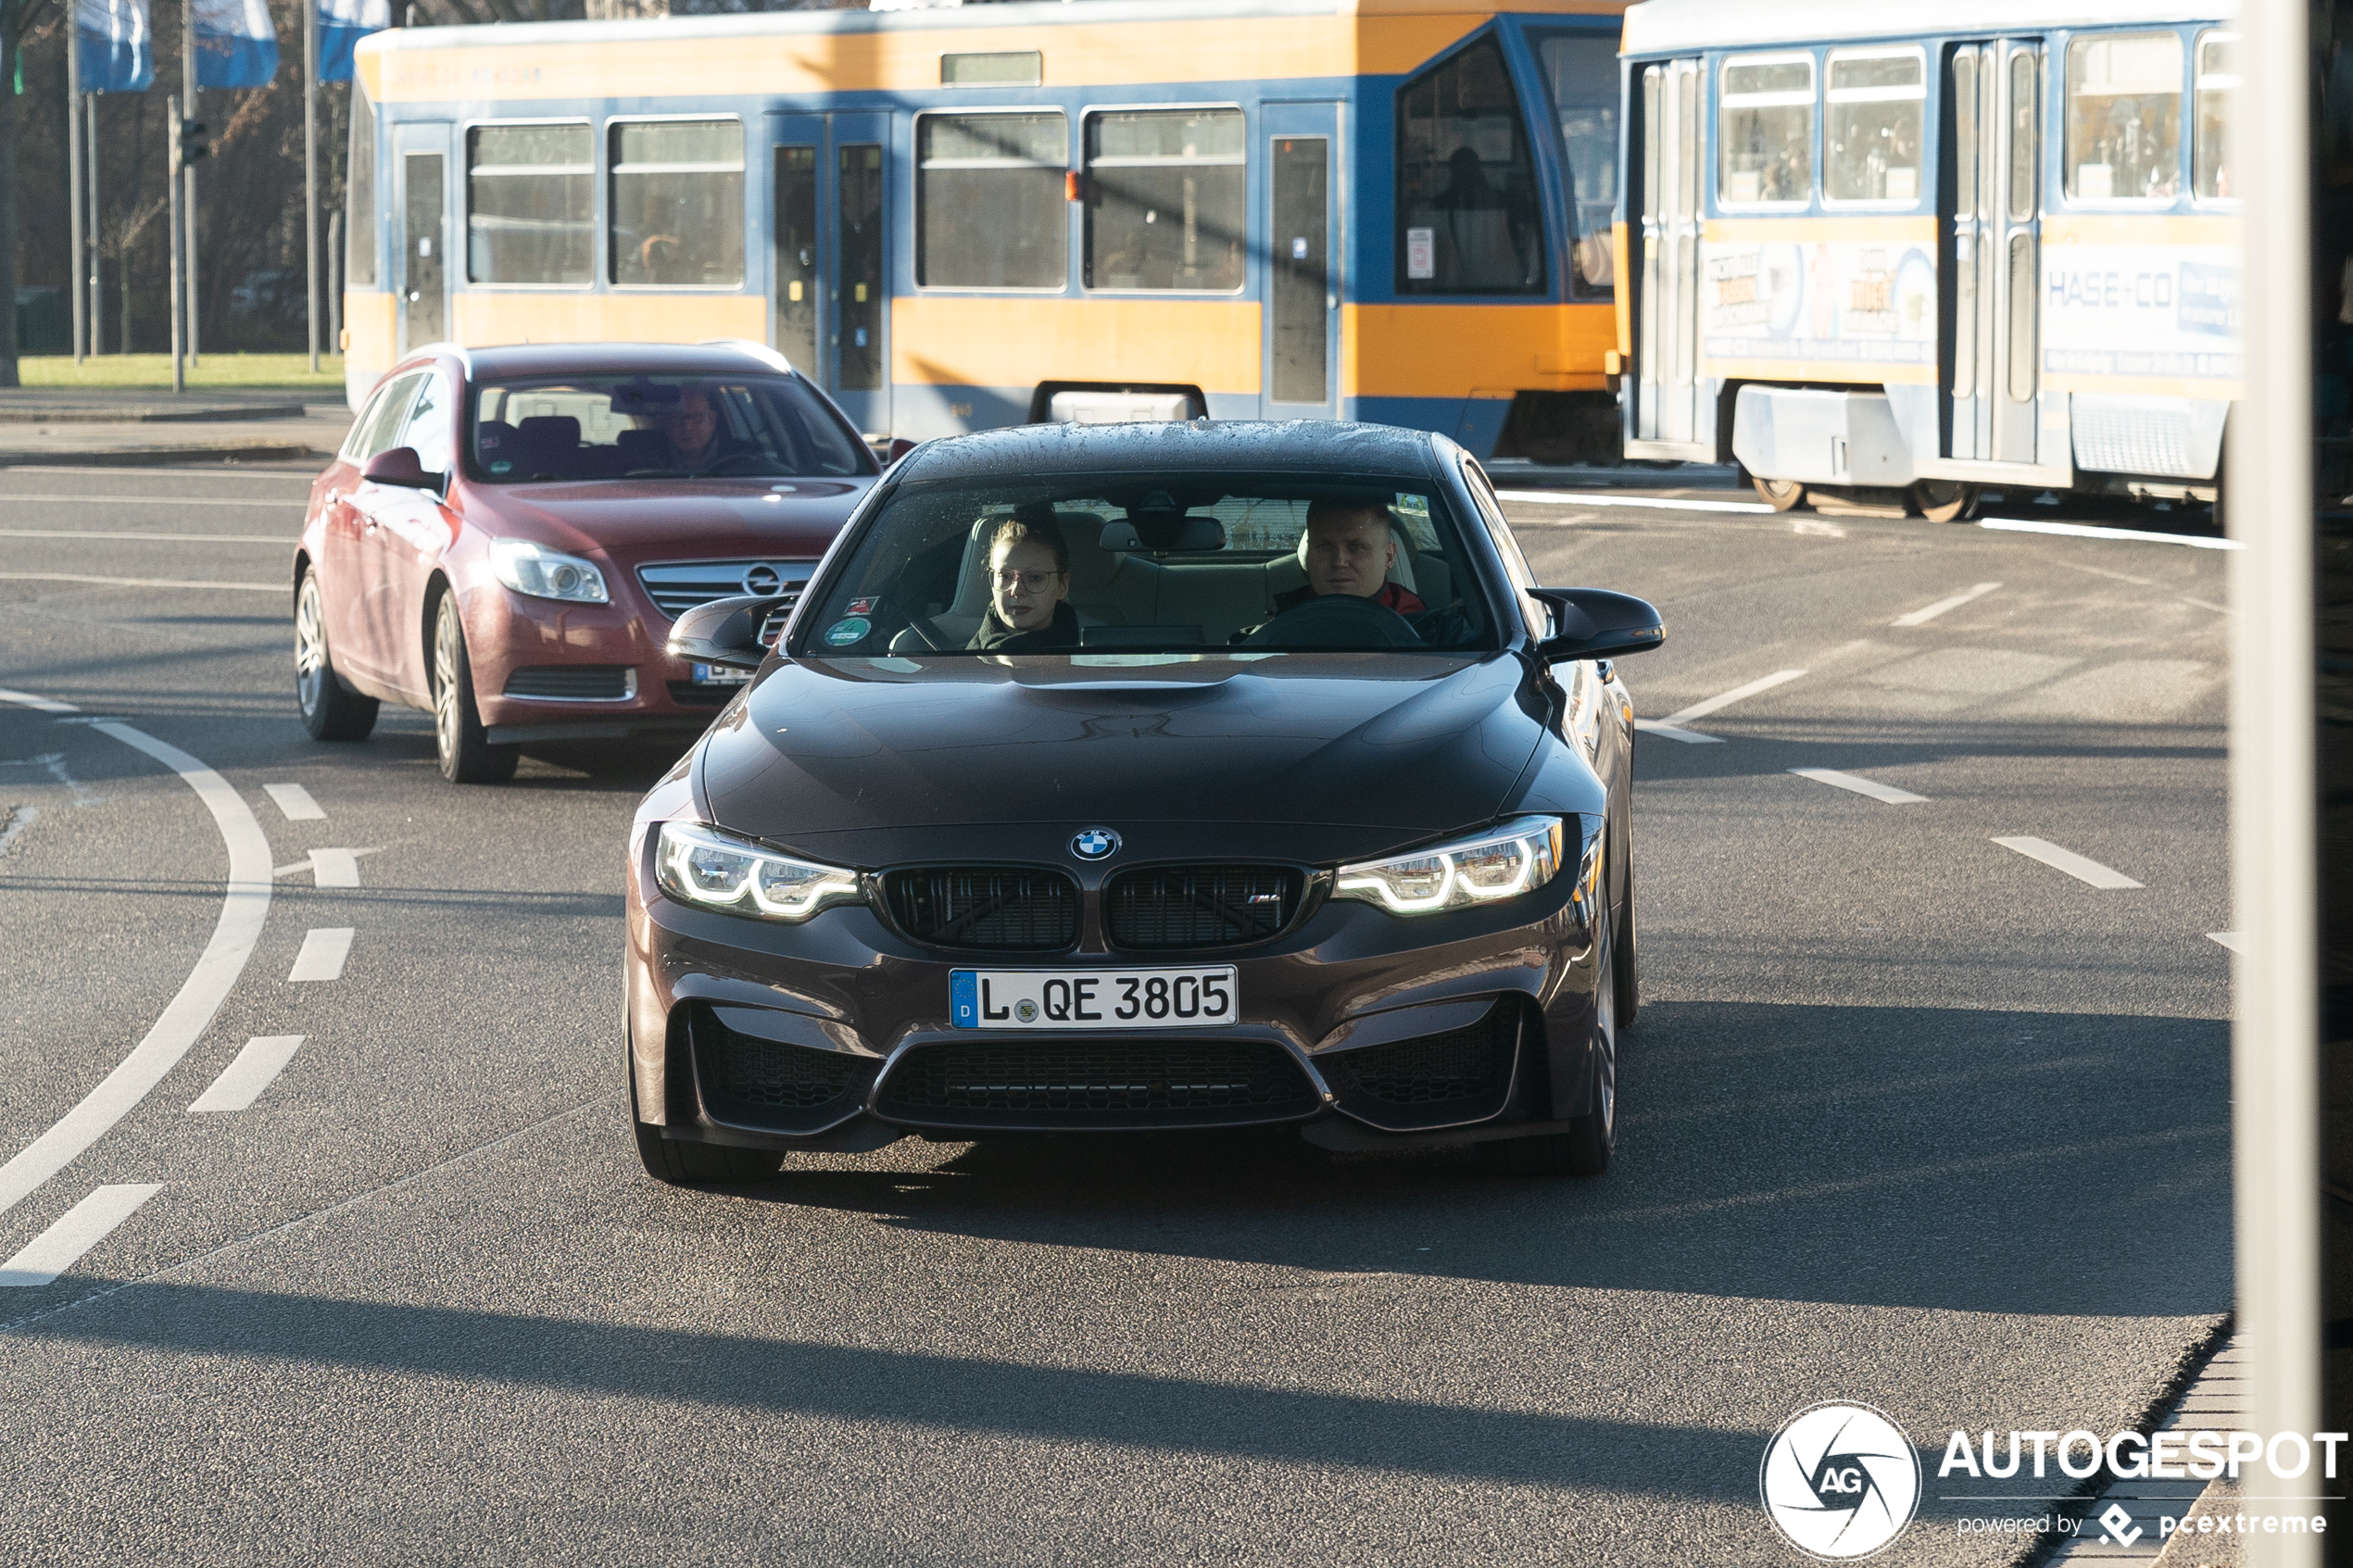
(55,762)
(296,868)
(1860,784)
(1927,613)
(38,704)
(17,820)
(2231,939)
(1666,731)
(335,868)
(324,948)
(1662,503)
(139,582)
(141,500)
(245,905)
(2081,867)
(78,1230)
(2085,531)
(241,1083)
(2202,604)
(294,802)
(1725,699)
(176,538)
(1816,528)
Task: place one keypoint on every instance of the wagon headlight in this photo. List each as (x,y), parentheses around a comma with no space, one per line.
(546,574)
(701,866)
(1502,862)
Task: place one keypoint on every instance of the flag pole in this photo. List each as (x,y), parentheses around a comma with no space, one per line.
(171,195)
(97,233)
(188,172)
(310,173)
(73,181)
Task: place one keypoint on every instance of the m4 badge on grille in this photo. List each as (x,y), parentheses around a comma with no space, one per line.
(1095,844)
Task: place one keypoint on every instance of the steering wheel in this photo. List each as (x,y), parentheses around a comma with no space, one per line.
(720,466)
(1337,620)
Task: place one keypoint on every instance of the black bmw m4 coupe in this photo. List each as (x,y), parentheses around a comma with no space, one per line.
(1133,778)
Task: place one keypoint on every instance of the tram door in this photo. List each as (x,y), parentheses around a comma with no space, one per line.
(421,266)
(1666,388)
(1302,283)
(829,256)
(1993,249)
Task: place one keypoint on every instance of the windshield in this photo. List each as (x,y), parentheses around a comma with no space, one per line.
(658,427)
(1154,564)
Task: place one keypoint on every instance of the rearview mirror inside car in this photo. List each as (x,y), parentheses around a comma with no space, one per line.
(399,467)
(1597,623)
(725,632)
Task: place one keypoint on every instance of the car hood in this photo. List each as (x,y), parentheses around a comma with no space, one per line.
(638,518)
(876,759)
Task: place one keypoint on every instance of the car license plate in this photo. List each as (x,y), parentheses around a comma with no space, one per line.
(719,675)
(1093,999)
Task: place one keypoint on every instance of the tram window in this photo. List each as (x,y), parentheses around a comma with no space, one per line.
(1580,71)
(2217,78)
(988,205)
(2124,117)
(678,203)
(1767,130)
(530,204)
(1873,119)
(1164,199)
(1468,217)
(360,192)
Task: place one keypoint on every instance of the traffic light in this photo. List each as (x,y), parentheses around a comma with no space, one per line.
(194,141)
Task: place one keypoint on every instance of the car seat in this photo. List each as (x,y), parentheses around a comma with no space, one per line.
(547,444)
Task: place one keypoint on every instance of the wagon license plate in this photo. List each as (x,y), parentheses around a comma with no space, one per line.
(719,675)
(1092,999)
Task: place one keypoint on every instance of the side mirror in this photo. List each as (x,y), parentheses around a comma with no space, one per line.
(725,632)
(399,467)
(1597,623)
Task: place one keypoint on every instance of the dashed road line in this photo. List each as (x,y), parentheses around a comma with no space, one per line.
(140,582)
(13,824)
(324,948)
(335,868)
(2234,940)
(295,803)
(1860,785)
(38,704)
(1927,613)
(1671,727)
(1661,503)
(78,1230)
(256,1067)
(2087,531)
(2082,868)
(1666,731)
(245,906)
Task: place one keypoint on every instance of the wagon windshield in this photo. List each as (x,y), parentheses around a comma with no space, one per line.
(1154,564)
(659,427)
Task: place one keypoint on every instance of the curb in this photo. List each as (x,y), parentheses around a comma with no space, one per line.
(150,457)
(149,414)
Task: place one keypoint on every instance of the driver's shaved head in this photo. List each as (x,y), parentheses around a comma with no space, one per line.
(1350,547)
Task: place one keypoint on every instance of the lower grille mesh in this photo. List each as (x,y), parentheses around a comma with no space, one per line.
(1457,1068)
(752,1082)
(607,683)
(1182,1081)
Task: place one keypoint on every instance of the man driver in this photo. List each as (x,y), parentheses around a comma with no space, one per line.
(692,430)
(1028,590)
(1350,550)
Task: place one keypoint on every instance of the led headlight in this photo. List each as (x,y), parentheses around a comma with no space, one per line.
(1502,862)
(700,865)
(546,574)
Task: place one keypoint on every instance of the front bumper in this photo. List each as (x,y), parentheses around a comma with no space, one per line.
(1365,1029)
(549,670)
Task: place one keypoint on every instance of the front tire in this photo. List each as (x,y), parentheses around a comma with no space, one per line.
(328,711)
(1780,494)
(1941,500)
(693,1164)
(1584,1149)
(463,744)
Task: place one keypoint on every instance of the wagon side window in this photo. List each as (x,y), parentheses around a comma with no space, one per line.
(1164,199)
(678,203)
(2217,78)
(530,200)
(1765,131)
(2124,117)
(1469,217)
(1874,104)
(988,205)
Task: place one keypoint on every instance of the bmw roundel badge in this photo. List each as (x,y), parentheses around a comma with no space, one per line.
(1095,844)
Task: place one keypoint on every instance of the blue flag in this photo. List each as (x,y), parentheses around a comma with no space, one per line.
(342,24)
(118,50)
(237,43)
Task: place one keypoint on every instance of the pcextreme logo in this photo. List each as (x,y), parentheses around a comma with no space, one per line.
(1839,1481)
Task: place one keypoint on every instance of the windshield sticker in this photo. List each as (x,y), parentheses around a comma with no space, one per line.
(841,633)
(863,607)
(501,467)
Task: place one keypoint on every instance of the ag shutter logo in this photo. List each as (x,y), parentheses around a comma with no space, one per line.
(1839,1481)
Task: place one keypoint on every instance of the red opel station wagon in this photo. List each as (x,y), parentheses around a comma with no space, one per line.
(508,533)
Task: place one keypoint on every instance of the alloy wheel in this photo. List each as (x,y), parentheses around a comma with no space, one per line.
(310,648)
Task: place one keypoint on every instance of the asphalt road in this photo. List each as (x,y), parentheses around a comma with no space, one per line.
(1910,1118)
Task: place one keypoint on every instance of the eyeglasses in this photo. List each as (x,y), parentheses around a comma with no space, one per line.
(1034,580)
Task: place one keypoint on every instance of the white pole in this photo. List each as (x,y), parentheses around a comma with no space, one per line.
(310,173)
(172,107)
(97,233)
(74,180)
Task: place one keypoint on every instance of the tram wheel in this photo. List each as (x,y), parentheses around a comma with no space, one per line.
(1782,494)
(1941,500)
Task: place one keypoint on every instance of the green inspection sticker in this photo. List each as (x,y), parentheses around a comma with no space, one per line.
(841,633)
